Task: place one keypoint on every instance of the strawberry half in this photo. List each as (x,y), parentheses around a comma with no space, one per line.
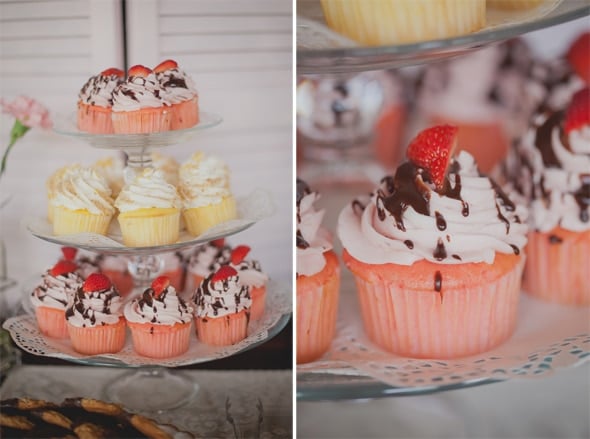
(159,284)
(578,56)
(224,272)
(69,253)
(578,113)
(166,65)
(96,282)
(139,70)
(239,253)
(432,150)
(63,267)
(218,242)
(113,72)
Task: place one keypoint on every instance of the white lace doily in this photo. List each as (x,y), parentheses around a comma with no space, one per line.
(548,337)
(252,208)
(26,335)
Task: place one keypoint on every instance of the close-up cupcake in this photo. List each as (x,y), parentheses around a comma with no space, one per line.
(204,186)
(95,101)
(95,320)
(550,168)
(160,321)
(251,275)
(82,203)
(139,105)
(50,298)
(204,260)
(387,22)
(222,308)
(149,210)
(318,279)
(180,92)
(437,252)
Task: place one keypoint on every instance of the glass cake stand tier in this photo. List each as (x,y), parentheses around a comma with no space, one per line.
(320,50)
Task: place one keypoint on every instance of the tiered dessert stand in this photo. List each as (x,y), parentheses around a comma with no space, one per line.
(147,377)
(548,336)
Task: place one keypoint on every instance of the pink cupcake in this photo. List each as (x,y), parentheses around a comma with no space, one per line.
(437,254)
(94,317)
(160,321)
(139,105)
(50,298)
(222,308)
(251,275)
(205,260)
(180,92)
(95,102)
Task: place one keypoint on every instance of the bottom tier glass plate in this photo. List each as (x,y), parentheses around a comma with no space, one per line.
(26,335)
(548,337)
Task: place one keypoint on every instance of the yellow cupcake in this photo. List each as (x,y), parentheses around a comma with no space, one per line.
(51,186)
(205,191)
(149,210)
(386,22)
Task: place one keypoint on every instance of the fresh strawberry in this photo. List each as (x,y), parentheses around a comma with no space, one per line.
(223,273)
(218,242)
(239,253)
(63,267)
(166,65)
(69,253)
(159,284)
(578,113)
(96,282)
(140,70)
(578,56)
(432,149)
(113,72)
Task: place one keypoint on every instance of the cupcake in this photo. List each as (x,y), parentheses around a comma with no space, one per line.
(149,210)
(139,105)
(116,269)
(251,275)
(222,308)
(437,254)
(205,191)
(174,269)
(112,169)
(550,168)
(51,186)
(95,101)
(160,321)
(318,279)
(180,92)
(94,317)
(388,22)
(50,298)
(204,260)
(82,203)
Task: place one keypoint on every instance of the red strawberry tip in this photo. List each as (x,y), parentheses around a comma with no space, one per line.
(239,253)
(63,267)
(139,70)
(166,65)
(69,253)
(224,272)
(96,282)
(218,242)
(578,112)
(113,71)
(160,284)
(578,56)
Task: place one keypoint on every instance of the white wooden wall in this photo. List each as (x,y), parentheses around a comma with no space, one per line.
(237,51)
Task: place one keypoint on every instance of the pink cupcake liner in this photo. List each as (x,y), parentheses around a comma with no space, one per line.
(185,114)
(223,331)
(52,322)
(258,295)
(160,341)
(95,119)
(98,340)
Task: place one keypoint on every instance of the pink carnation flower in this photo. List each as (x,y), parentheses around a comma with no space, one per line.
(28,111)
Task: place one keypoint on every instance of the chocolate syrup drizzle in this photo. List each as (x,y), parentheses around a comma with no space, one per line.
(302,190)
(206,288)
(88,313)
(148,298)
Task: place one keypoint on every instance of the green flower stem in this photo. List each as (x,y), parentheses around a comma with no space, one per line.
(18,130)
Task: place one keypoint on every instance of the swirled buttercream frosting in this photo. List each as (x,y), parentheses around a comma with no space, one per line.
(98,90)
(149,189)
(224,297)
(89,309)
(406,220)
(178,86)
(83,188)
(312,240)
(139,92)
(203,180)
(208,258)
(165,308)
(56,291)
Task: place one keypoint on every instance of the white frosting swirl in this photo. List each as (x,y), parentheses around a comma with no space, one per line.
(250,273)
(178,86)
(221,298)
(168,165)
(204,180)
(98,90)
(84,188)
(149,189)
(138,92)
(166,309)
(207,258)
(445,235)
(112,169)
(316,239)
(56,291)
(94,309)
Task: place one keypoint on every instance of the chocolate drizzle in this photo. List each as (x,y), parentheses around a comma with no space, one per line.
(440,252)
(437,281)
(554,239)
(77,304)
(409,244)
(582,197)
(441,224)
(303,189)
(543,139)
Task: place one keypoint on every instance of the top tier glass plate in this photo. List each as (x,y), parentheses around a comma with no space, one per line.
(130,143)
(320,50)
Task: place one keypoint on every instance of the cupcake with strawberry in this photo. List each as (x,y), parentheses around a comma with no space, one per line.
(139,105)
(550,168)
(160,321)
(95,320)
(180,92)
(437,254)
(222,308)
(51,297)
(95,101)
(251,275)
(204,260)
(318,279)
